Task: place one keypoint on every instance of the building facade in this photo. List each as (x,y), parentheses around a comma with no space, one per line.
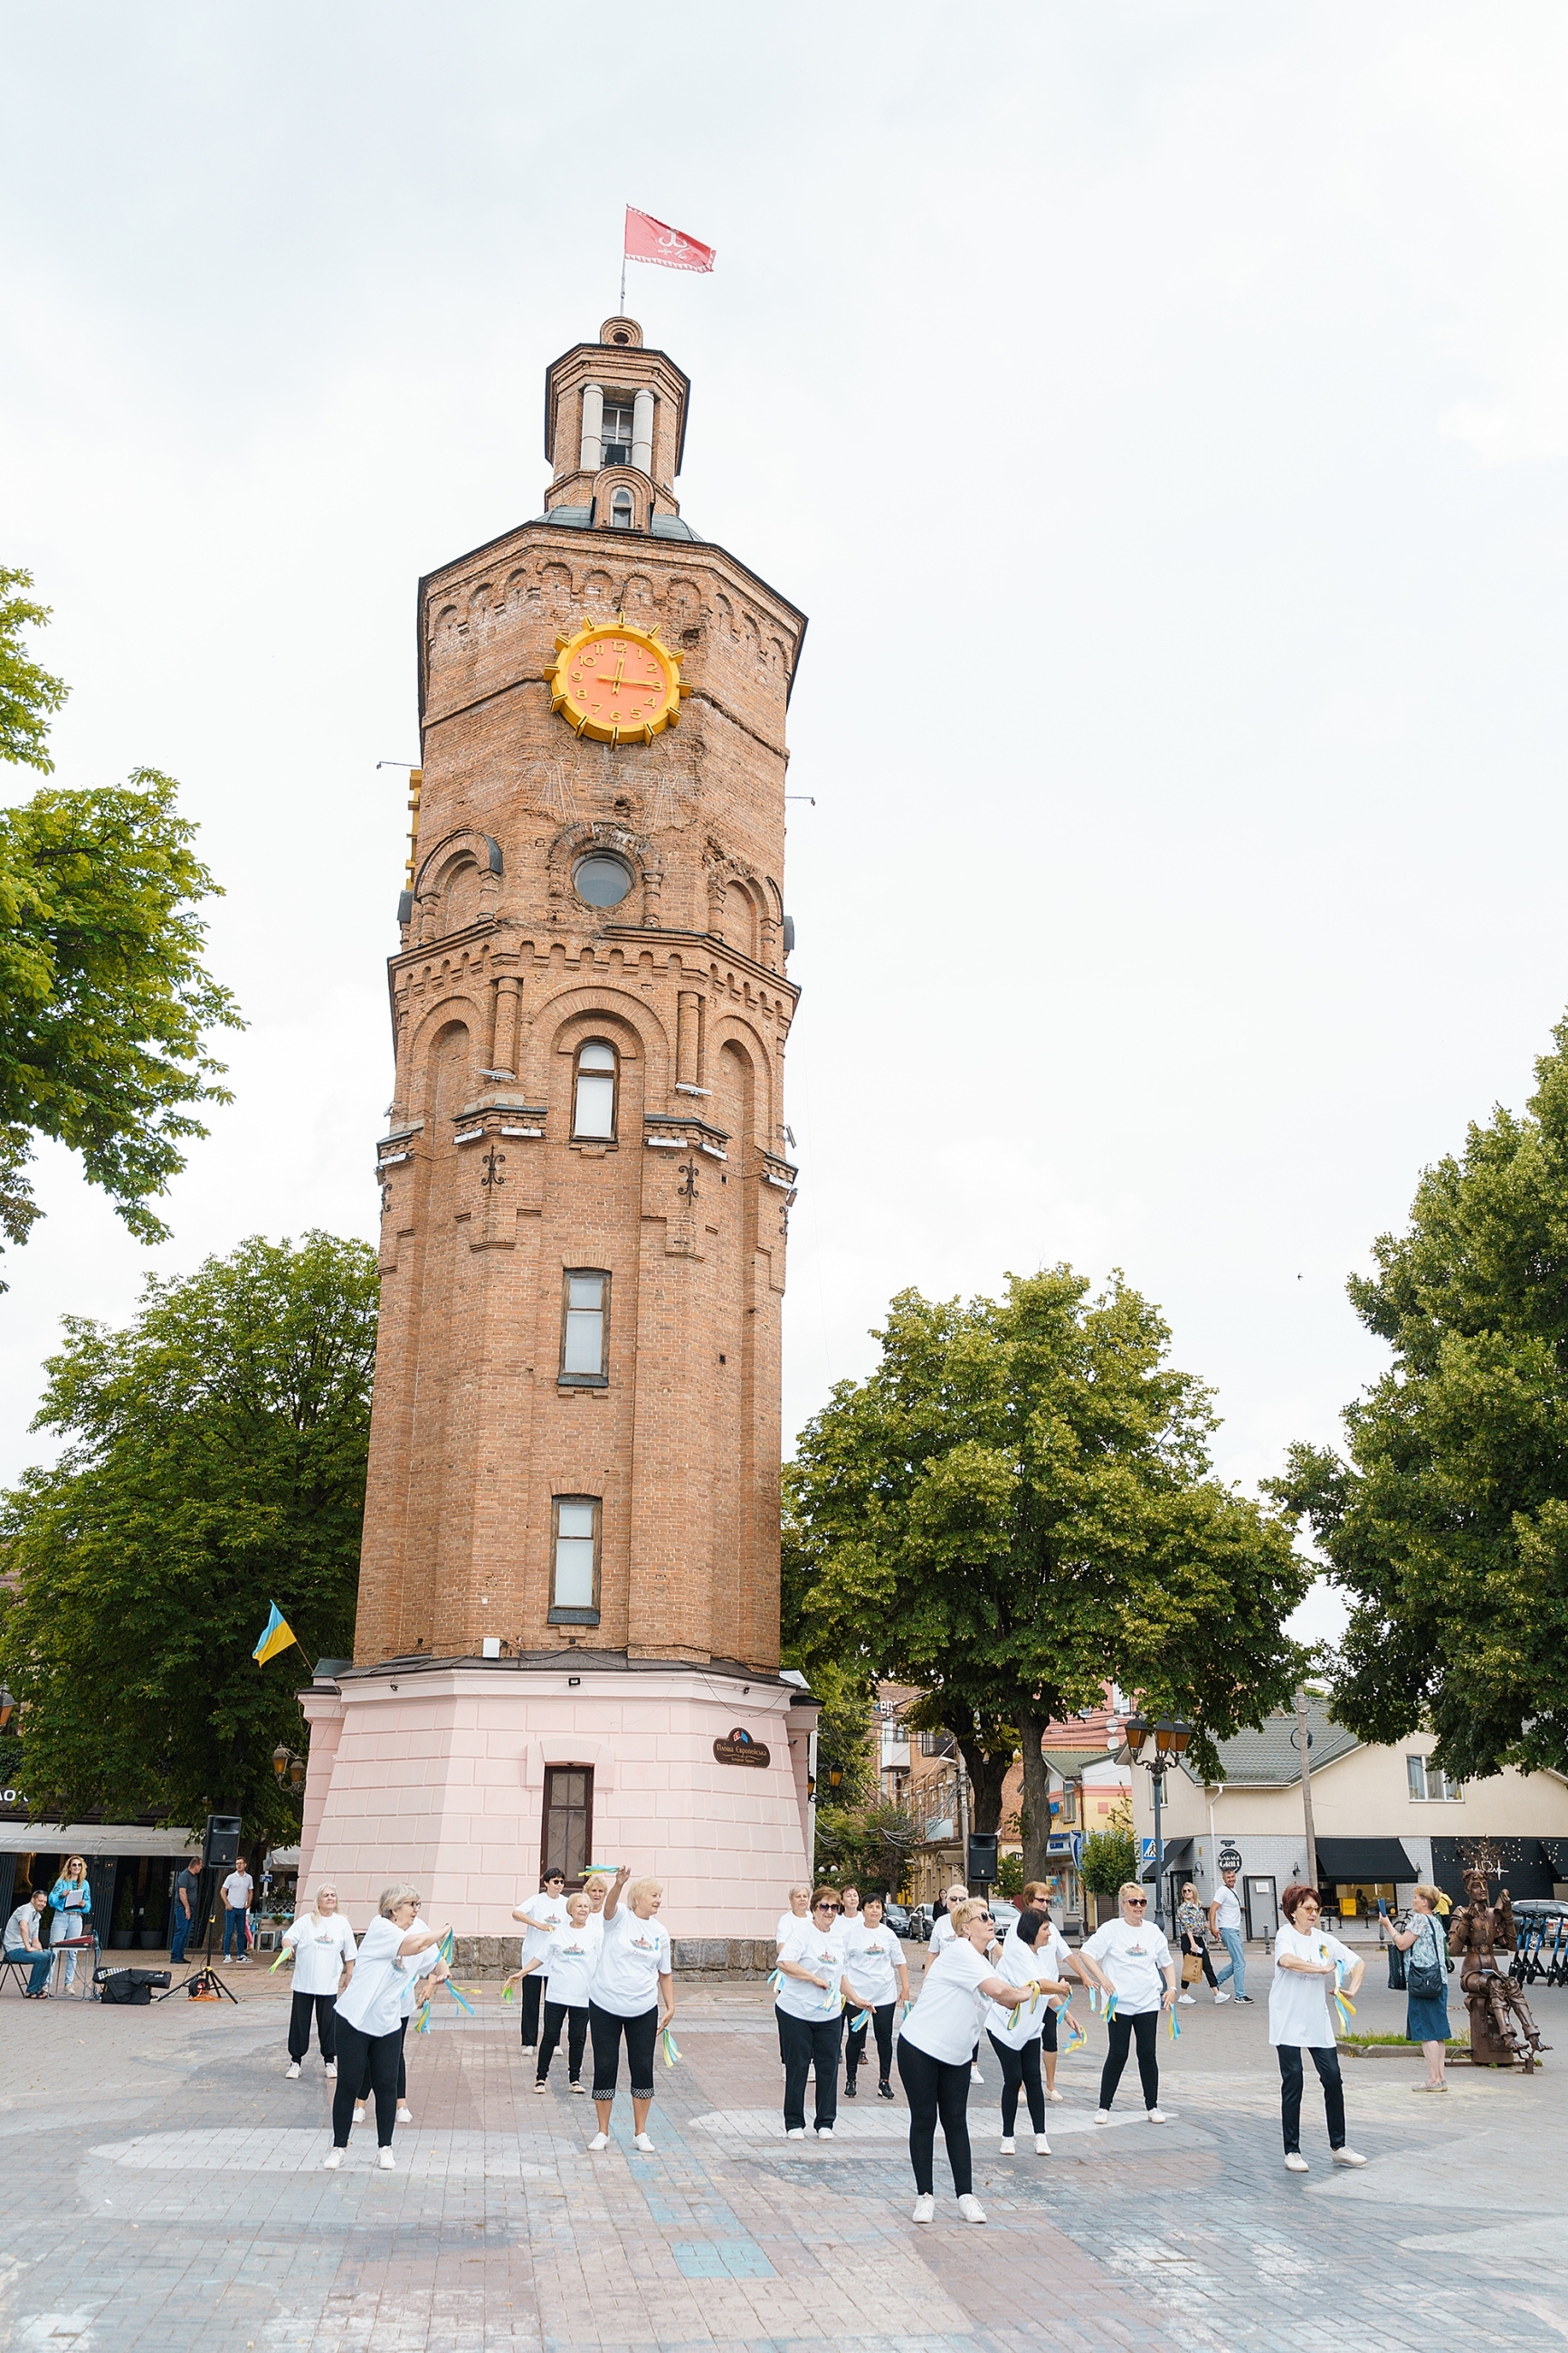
(567,1646)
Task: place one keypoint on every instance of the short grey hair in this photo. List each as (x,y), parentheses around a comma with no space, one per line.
(394,1898)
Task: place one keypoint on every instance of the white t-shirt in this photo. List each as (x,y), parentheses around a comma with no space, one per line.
(1019,1965)
(373,1999)
(17,1938)
(788,1920)
(236,1890)
(871,1962)
(1299,2006)
(573,1957)
(633,1955)
(1227,1907)
(945,2022)
(943,1933)
(542,1909)
(1134,1959)
(823,1951)
(322,1948)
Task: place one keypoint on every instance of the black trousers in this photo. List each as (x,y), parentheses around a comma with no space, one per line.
(607,2027)
(360,2055)
(532,1995)
(366,2086)
(1190,1944)
(854,2043)
(1020,2071)
(934,2089)
(808,2041)
(1118,2035)
(324,2006)
(556,2015)
(1327,2064)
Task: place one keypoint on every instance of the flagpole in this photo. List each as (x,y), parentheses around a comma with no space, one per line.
(622,312)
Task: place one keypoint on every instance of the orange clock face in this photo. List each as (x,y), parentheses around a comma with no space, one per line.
(616,683)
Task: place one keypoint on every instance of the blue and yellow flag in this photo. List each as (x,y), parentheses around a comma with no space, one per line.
(276,1635)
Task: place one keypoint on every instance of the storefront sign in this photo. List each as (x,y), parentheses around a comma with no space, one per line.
(1229,1857)
(739,1748)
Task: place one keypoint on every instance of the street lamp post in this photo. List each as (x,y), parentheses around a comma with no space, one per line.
(1169,1735)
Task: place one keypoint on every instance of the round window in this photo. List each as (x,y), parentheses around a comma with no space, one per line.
(601,880)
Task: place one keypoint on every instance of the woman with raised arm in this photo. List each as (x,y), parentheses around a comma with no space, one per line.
(934,2048)
(631,1977)
(370,2018)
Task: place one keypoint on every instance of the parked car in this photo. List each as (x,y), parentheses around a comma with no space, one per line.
(921,1921)
(896,1915)
(1005,1914)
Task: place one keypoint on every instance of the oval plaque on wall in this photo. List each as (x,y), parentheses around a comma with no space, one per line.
(739,1748)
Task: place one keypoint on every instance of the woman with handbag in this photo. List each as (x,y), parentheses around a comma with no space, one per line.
(1426,1984)
(1195,1961)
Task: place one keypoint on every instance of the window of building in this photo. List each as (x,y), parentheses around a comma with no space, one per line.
(616,434)
(568,1828)
(936,1744)
(593,1101)
(585,1328)
(1428,1787)
(621,510)
(576,1590)
(601,879)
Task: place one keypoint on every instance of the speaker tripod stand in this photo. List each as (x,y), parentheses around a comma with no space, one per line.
(207,1978)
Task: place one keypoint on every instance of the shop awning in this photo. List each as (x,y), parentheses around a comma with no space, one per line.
(1178,1857)
(1370,1858)
(94,1839)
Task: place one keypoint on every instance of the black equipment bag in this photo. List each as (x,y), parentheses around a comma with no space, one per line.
(129,1986)
(1395,1969)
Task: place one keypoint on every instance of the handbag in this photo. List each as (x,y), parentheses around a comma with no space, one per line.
(1426,1981)
(1192,1968)
(1395,1969)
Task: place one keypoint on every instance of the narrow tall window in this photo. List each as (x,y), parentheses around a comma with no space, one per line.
(594,1107)
(616,435)
(1416,1774)
(621,510)
(568,1828)
(586,1329)
(577,1581)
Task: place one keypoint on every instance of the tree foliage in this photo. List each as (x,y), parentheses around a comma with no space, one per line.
(215,1463)
(1017,1504)
(27,693)
(1448,1525)
(1110,1859)
(867,1846)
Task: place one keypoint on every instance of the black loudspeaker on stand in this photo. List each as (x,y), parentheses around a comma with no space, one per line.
(220,1851)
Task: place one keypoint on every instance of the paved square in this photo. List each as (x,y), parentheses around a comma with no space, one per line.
(162,2185)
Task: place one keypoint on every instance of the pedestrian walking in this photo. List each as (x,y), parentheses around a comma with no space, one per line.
(1016,2035)
(236,1892)
(571,1964)
(1307,1962)
(370,2019)
(187,1896)
(324,1948)
(1225,1922)
(70,1901)
(874,1958)
(1426,1983)
(814,1986)
(632,1978)
(1191,1921)
(541,1914)
(1129,1957)
(934,2048)
(24,1944)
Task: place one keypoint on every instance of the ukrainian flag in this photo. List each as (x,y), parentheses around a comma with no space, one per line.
(276,1635)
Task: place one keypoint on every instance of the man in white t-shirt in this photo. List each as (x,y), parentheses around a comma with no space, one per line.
(542,1915)
(236,1891)
(1129,1957)
(23,1942)
(1225,1922)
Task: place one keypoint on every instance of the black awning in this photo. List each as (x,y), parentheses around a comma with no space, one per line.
(1178,1856)
(1347,1859)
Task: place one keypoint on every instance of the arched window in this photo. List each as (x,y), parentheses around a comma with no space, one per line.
(621,510)
(593,1104)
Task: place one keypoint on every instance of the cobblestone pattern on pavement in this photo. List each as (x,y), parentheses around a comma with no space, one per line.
(164,2184)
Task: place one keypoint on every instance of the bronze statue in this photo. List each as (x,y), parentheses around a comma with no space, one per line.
(1502,2027)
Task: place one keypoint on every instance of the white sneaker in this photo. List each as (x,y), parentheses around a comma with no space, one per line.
(971,2209)
(642,2141)
(332,2159)
(1154,2115)
(825,2132)
(359,2112)
(291,2073)
(1103,2116)
(1042,2146)
(600,2140)
(385,2160)
(581,2090)
(1347,2157)
(925,2208)
(1296,2163)
(531,2049)
(543,2084)
(1219,1997)
(796,2132)
(1007,2145)
(1188,1997)
(332,2070)
(1055,2098)
(976,2077)
(405,2113)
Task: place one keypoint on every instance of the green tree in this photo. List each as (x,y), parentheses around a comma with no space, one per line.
(868,1845)
(215,1463)
(1448,1525)
(1017,1504)
(1110,1859)
(27,693)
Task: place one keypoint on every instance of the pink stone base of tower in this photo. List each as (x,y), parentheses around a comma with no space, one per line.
(436,1774)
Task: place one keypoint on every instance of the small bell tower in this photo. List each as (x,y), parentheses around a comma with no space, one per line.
(615,431)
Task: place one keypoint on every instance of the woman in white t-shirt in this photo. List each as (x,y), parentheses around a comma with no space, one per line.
(370,2018)
(943,1933)
(1129,1957)
(1027,1953)
(573,1958)
(324,1948)
(631,1977)
(799,1911)
(876,1960)
(427,1964)
(1306,1960)
(934,2048)
(542,1915)
(812,1989)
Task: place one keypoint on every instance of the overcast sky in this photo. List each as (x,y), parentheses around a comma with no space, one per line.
(1215,355)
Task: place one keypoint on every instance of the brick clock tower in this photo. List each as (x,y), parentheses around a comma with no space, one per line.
(568,1638)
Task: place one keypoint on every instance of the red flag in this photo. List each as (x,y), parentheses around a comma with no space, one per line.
(654,240)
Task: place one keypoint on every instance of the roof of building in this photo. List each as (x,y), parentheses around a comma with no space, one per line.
(1268,1758)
